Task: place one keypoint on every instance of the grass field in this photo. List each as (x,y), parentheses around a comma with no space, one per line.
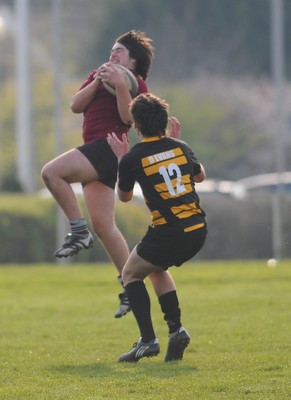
(59,340)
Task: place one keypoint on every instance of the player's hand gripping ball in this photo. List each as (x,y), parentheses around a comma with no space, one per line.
(131,82)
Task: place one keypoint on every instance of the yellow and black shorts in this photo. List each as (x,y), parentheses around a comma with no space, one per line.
(173,244)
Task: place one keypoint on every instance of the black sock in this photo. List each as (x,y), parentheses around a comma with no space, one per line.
(141,307)
(172,313)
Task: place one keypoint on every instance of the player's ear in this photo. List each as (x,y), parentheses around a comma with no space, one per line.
(133,63)
(136,127)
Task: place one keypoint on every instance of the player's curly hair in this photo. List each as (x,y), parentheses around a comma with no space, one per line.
(140,49)
(150,114)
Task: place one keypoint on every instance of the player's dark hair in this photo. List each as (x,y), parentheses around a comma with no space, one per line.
(150,114)
(140,49)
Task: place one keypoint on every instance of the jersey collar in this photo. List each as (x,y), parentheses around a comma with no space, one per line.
(152,138)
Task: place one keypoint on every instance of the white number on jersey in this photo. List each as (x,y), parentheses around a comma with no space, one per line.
(167,173)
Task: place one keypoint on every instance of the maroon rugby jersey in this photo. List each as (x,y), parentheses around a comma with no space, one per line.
(101,115)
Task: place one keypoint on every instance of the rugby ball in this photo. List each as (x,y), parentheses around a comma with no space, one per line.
(130,81)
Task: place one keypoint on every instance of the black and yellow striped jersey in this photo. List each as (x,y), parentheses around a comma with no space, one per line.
(164,168)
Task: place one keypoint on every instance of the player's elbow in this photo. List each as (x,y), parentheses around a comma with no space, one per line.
(126,117)
(124,196)
(126,120)
(77,105)
(75,108)
(124,200)
(201,176)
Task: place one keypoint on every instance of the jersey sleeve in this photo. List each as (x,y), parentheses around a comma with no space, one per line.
(196,166)
(126,178)
(142,86)
(89,79)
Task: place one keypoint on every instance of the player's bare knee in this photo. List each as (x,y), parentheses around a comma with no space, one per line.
(98,229)
(131,274)
(102,228)
(45,175)
(127,276)
(48,175)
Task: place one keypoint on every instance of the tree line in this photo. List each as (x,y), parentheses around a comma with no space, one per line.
(221,37)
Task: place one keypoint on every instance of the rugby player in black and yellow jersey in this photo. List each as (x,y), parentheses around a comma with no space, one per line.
(166,170)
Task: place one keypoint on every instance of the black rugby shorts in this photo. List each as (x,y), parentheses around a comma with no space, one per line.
(103,159)
(169,245)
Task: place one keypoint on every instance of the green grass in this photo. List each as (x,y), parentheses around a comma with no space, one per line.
(59,340)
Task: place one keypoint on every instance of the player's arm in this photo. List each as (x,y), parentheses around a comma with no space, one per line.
(117,79)
(84,96)
(119,148)
(123,99)
(201,176)
(198,171)
(175,128)
(124,196)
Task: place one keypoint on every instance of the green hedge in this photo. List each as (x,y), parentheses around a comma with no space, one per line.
(238,229)
(28,229)
(27,224)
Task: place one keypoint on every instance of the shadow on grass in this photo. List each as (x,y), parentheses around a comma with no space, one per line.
(158,370)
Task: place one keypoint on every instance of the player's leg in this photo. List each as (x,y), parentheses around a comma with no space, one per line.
(100,201)
(165,289)
(63,170)
(162,282)
(134,273)
(58,175)
(179,338)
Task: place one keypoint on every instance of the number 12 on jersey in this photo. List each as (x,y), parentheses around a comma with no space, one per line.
(169,172)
